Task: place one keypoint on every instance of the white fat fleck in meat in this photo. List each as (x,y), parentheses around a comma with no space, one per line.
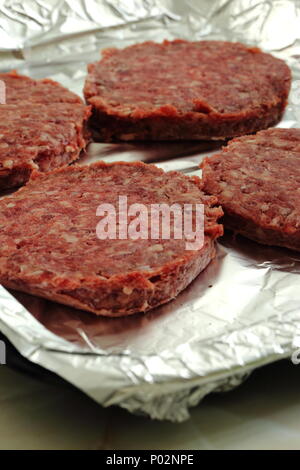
(50,138)
(235,174)
(265,207)
(143,268)
(23,268)
(284,211)
(67,204)
(70,238)
(227,193)
(156,248)
(274,222)
(127,290)
(38,272)
(8,164)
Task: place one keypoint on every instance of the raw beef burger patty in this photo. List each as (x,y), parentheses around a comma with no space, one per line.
(257,182)
(49,247)
(185,90)
(42,126)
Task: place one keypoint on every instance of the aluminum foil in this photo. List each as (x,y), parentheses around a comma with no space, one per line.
(243,311)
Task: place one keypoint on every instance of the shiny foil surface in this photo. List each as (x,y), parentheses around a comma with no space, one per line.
(243,311)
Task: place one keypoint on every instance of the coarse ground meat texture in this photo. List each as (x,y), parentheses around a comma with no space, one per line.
(49,246)
(257,182)
(42,126)
(185,90)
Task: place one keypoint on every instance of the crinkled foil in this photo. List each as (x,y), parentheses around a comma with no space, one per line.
(244,310)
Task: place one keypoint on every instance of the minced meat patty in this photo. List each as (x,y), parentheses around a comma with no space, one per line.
(42,126)
(49,247)
(185,90)
(257,181)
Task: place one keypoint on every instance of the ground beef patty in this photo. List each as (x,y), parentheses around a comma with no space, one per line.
(42,126)
(257,181)
(49,247)
(185,90)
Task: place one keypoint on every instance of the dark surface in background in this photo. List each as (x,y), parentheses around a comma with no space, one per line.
(16,361)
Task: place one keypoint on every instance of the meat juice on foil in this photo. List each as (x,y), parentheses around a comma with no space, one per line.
(243,311)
